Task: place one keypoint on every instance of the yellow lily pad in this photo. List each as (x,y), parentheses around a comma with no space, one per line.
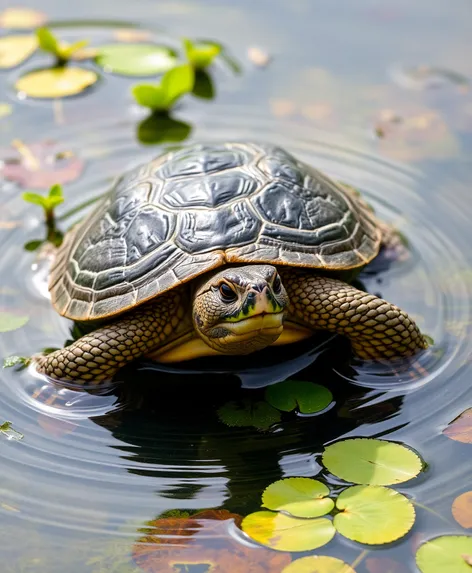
(373,514)
(446,554)
(56,82)
(301,497)
(5,109)
(371,461)
(285,533)
(21,18)
(16,49)
(318,564)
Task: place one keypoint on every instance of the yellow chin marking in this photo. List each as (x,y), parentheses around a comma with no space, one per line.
(292,333)
(183,349)
(266,322)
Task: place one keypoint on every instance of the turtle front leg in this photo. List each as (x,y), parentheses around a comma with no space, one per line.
(96,357)
(377,329)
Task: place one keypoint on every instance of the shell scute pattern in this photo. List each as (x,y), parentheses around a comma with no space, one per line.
(194,209)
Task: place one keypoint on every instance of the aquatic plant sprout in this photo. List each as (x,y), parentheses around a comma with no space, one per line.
(162,97)
(61,50)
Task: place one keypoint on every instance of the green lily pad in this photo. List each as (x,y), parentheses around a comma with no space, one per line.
(16,49)
(161,97)
(248,413)
(446,554)
(373,514)
(299,496)
(371,461)
(10,321)
(136,59)
(306,396)
(318,564)
(286,533)
(56,82)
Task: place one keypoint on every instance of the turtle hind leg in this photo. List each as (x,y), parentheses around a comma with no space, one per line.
(378,330)
(96,357)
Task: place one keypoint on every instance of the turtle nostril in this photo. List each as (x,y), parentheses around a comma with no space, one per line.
(258,287)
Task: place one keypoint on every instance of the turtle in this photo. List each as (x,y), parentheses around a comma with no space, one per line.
(214,249)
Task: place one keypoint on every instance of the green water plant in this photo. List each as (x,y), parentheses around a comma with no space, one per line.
(48,202)
(139,59)
(306,397)
(299,496)
(446,554)
(246,413)
(62,51)
(201,53)
(162,97)
(9,432)
(10,321)
(318,564)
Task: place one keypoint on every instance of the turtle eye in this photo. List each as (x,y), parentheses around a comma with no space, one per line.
(277,285)
(227,293)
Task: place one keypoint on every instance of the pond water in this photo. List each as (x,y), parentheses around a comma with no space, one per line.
(375,94)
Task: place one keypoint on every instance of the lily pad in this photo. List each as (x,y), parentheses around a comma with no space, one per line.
(306,396)
(16,49)
(56,82)
(248,413)
(21,18)
(136,59)
(371,461)
(373,514)
(462,509)
(460,429)
(299,496)
(318,564)
(161,97)
(285,533)
(10,321)
(445,554)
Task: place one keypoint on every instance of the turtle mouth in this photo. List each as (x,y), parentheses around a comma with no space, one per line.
(264,321)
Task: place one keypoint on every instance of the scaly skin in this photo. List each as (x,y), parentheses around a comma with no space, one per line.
(377,329)
(96,357)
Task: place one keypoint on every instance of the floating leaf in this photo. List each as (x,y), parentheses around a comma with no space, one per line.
(201,54)
(16,49)
(10,321)
(445,554)
(56,82)
(10,432)
(248,413)
(318,564)
(21,18)
(62,50)
(5,109)
(136,59)
(39,165)
(373,514)
(286,533)
(162,128)
(306,396)
(301,497)
(460,429)
(174,84)
(462,509)
(371,461)
(11,361)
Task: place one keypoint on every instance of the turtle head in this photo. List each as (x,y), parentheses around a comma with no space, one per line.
(239,310)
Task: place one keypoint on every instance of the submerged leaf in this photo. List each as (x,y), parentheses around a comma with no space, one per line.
(16,49)
(21,18)
(299,496)
(286,533)
(373,514)
(162,128)
(11,361)
(39,165)
(371,461)
(460,429)
(462,509)
(445,554)
(248,413)
(136,59)
(56,82)
(318,564)
(10,321)
(306,396)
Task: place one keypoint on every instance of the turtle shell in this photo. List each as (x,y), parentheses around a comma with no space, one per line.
(192,210)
